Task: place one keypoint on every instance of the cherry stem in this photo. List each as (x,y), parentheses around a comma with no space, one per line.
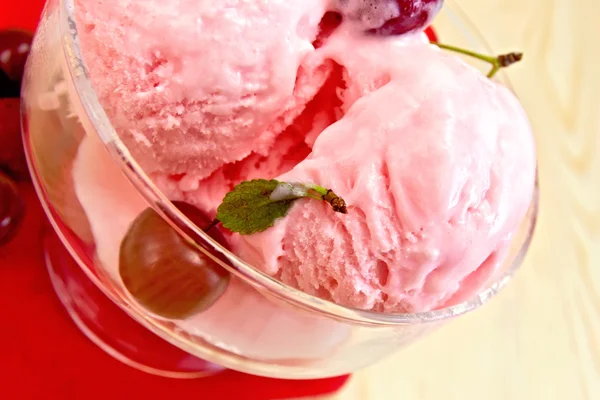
(497,62)
(336,202)
(321,191)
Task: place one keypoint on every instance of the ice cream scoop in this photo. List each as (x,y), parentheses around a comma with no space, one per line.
(437,167)
(192,85)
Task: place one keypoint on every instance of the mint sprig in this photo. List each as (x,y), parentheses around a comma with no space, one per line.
(254,206)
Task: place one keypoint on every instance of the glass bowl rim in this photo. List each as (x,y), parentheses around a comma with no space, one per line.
(249,274)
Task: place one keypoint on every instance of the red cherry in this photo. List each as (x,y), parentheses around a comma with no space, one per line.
(12,157)
(9,88)
(11,208)
(14,49)
(377,15)
(165,273)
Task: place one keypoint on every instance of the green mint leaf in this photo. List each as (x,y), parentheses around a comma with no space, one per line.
(253,206)
(249,208)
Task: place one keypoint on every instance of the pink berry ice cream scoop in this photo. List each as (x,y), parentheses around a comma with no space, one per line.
(192,85)
(437,167)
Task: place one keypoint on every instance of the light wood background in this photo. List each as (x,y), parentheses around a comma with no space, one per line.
(540,339)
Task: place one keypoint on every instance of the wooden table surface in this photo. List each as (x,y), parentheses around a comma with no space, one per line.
(540,338)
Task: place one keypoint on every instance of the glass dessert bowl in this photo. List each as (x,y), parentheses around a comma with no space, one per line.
(257,325)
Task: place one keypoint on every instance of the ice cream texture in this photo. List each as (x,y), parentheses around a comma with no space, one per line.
(194,85)
(435,161)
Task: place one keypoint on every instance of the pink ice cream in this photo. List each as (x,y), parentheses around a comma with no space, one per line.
(437,167)
(435,161)
(193,85)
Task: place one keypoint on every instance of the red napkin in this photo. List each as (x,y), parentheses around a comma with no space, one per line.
(20,14)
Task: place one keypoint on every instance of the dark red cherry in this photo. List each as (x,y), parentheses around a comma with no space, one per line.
(9,88)
(391,17)
(11,208)
(12,157)
(14,49)
(165,273)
